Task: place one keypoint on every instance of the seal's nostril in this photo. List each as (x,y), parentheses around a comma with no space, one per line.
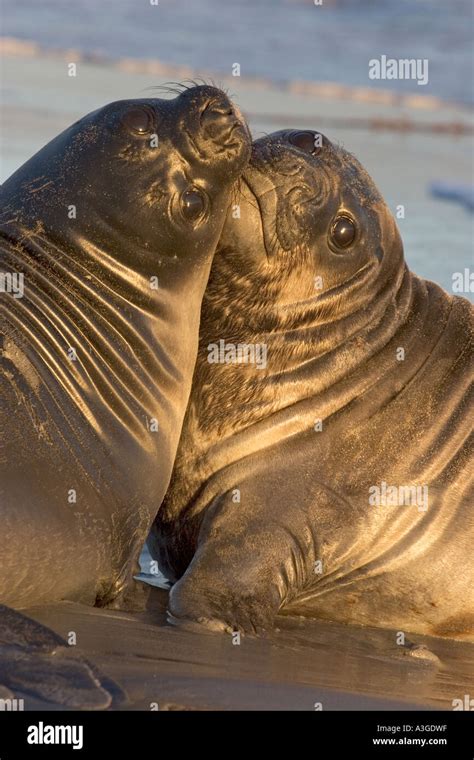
(221,110)
(215,114)
(218,105)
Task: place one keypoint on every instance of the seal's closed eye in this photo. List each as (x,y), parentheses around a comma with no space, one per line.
(306,141)
(138,120)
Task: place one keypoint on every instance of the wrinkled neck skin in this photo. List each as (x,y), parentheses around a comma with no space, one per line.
(317,350)
(134,345)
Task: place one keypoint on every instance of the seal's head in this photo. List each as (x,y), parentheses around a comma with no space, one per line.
(153,173)
(312,223)
(311,263)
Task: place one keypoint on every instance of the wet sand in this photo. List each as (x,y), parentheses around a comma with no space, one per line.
(302,663)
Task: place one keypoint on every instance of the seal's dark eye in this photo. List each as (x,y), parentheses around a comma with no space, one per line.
(343,232)
(138,120)
(310,142)
(192,204)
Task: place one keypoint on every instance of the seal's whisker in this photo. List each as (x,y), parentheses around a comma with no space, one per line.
(176,88)
(197,82)
(274,241)
(237,195)
(220,86)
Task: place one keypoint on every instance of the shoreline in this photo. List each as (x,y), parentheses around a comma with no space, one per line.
(24,48)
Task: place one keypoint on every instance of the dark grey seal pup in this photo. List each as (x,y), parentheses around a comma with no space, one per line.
(325,465)
(107,237)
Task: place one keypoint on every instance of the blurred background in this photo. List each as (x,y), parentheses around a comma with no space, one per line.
(301,65)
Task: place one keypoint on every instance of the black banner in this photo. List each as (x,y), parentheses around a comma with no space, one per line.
(131,734)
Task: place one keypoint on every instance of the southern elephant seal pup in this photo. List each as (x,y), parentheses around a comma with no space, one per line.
(107,239)
(325,464)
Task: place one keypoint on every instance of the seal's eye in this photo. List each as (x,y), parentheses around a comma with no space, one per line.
(343,232)
(138,120)
(310,142)
(192,204)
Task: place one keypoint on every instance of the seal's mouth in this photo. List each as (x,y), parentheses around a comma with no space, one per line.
(238,131)
(247,181)
(266,194)
(258,196)
(220,120)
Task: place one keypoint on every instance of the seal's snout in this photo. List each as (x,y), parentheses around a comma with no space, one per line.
(213,130)
(219,119)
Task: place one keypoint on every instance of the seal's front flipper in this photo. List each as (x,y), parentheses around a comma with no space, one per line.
(241,572)
(35,662)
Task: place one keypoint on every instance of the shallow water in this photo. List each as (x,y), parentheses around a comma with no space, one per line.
(303,662)
(276,39)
